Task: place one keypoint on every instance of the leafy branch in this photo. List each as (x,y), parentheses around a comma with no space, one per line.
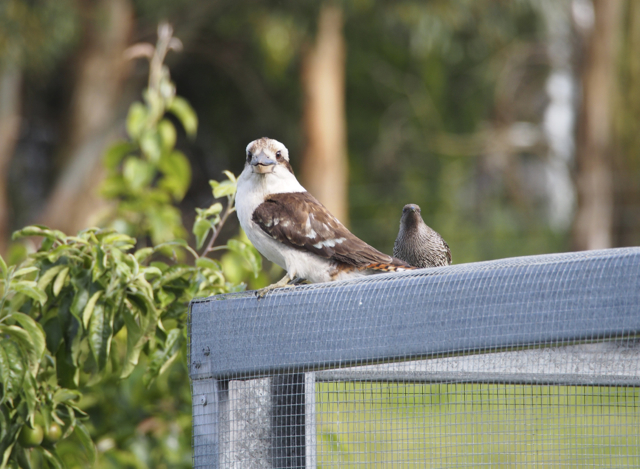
(69,307)
(146,175)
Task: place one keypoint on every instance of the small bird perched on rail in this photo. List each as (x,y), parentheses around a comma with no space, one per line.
(417,244)
(288,226)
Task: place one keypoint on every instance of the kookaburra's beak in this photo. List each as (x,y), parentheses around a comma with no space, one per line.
(262,164)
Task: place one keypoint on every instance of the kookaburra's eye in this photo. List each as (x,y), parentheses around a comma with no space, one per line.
(249,155)
(278,154)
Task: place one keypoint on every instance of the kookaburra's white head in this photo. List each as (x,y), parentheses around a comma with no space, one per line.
(266,155)
(267,168)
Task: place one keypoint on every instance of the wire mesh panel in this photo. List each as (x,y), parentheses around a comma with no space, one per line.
(525,362)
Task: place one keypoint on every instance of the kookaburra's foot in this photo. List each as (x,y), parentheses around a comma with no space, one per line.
(298,281)
(285,282)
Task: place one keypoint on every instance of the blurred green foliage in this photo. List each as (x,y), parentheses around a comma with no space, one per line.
(146,174)
(79,315)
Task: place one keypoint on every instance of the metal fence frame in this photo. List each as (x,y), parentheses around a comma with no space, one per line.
(519,310)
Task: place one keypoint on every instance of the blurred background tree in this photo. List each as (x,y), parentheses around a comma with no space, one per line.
(474,110)
(511,123)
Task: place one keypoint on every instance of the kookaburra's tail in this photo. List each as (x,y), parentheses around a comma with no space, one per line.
(397,266)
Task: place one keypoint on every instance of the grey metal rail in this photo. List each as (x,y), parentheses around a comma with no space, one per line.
(534,320)
(472,308)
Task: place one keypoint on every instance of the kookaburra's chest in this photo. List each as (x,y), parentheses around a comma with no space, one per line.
(253,190)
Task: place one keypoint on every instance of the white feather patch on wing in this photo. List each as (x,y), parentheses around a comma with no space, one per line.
(310,232)
(329,243)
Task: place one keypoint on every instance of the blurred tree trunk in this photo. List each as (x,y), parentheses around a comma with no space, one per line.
(594,161)
(324,170)
(100,74)
(627,116)
(10,93)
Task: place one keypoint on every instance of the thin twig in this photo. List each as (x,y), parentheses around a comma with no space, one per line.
(229,210)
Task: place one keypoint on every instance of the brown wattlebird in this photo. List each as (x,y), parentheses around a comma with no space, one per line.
(417,244)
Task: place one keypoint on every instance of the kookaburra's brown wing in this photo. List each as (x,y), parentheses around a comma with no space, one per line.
(298,220)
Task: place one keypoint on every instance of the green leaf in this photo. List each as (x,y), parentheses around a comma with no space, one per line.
(224,188)
(162,359)
(248,253)
(60,251)
(165,297)
(66,396)
(4,422)
(53,333)
(176,242)
(123,241)
(25,270)
(201,230)
(175,272)
(79,301)
(47,244)
(185,114)
(206,263)
(151,145)
(85,440)
(5,372)
(67,372)
(138,332)
(167,135)
(137,173)
(98,263)
(136,120)
(9,443)
(140,283)
(20,455)
(214,209)
(88,309)
(100,334)
(114,154)
(134,345)
(38,230)
(48,276)
(59,282)
(29,395)
(152,272)
(160,265)
(14,367)
(30,289)
(36,334)
(155,102)
(52,458)
(177,174)
(230,176)
(165,223)
(21,337)
(3,267)
(143,254)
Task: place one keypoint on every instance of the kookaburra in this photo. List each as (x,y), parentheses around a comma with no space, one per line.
(417,244)
(288,226)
